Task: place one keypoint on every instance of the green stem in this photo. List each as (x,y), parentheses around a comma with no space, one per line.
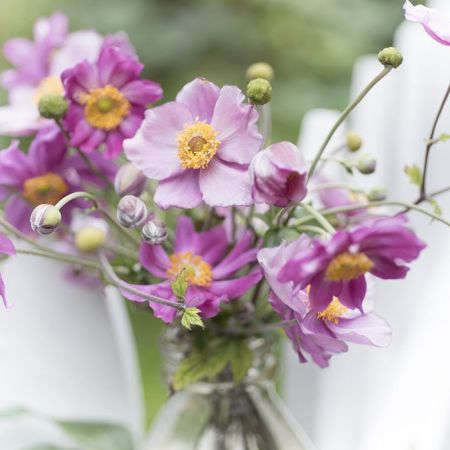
(118,228)
(313,229)
(343,116)
(18,234)
(319,217)
(74,196)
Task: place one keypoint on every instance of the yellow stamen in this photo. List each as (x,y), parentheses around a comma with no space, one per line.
(197,271)
(105,108)
(51,85)
(333,312)
(48,188)
(197,145)
(348,266)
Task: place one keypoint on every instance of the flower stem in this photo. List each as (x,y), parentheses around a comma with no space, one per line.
(18,234)
(343,116)
(319,217)
(74,196)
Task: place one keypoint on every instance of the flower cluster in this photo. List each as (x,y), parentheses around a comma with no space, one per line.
(188,207)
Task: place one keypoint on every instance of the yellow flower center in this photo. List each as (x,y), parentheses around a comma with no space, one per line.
(197,145)
(197,271)
(51,85)
(333,312)
(48,188)
(105,108)
(348,266)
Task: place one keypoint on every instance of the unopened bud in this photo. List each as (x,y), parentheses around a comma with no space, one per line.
(260,70)
(366,165)
(45,219)
(129,180)
(89,238)
(376,195)
(131,211)
(354,141)
(154,232)
(390,57)
(259,91)
(53,106)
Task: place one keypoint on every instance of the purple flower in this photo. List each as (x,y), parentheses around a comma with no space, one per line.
(210,271)
(324,333)
(44,175)
(107,100)
(278,175)
(6,248)
(437,26)
(337,268)
(199,147)
(37,68)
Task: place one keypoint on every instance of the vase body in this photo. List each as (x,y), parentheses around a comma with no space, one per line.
(221,415)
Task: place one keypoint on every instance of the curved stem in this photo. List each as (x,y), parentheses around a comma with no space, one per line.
(319,217)
(343,116)
(74,196)
(313,229)
(121,230)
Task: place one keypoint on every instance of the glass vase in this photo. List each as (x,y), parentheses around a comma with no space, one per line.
(222,415)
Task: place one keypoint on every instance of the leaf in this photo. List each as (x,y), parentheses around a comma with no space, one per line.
(436,207)
(180,285)
(240,359)
(97,436)
(414,174)
(444,137)
(191,318)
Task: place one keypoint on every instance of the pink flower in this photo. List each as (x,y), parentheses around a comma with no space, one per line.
(437,26)
(278,175)
(324,333)
(199,147)
(211,270)
(6,248)
(107,100)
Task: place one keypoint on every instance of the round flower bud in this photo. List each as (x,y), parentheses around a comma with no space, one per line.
(53,106)
(131,211)
(154,232)
(259,91)
(366,165)
(354,141)
(89,238)
(376,195)
(45,219)
(129,180)
(260,70)
(390,57)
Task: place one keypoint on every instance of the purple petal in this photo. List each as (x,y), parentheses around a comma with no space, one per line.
(237,287)
(322,292)
(3,293)
(142,92)
(213,244)
(186,238)
(154,259)
(387,269)
(353,293)
(17,213)
(6,246)
(207,302)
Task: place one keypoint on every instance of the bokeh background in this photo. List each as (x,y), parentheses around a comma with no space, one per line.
(312,44)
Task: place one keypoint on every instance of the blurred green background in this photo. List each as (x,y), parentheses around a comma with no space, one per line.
(312,45)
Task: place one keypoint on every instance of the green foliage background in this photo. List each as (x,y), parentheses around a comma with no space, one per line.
(312,45)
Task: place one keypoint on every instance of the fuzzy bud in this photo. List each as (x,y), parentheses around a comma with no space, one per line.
(45,219)
(89,238)
(354,141)
(390,57)
(260,70)
(53,106)
(259,91)
(129,180)
(376,195)
(154,232)
(278,175)
(366,165)
(131,211)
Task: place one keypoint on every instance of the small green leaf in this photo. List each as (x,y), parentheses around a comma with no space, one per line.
(414,174)
(191,317)
(436,207)
(180,285)
(240,359)
(444,137)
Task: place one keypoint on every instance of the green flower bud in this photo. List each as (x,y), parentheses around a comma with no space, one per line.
(390,57)
(53,106)
(376,194)
(45,219)
(260,70)
(366,165)
(259,91)
(89,238)
(354,141)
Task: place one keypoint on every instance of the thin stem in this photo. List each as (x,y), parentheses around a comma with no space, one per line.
(120,250)
(319,217)
(74,196)
(119,283)
(313,229)
(121,230)
(266,123)
(430,144)
(343,116)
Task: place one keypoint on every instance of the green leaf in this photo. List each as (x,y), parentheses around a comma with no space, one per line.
(436,207)
(180,285)
(97,436)
(414,174)
(444,137)
(240,359)
(191,318)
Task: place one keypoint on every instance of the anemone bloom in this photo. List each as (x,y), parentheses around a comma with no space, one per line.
(210,270)
(199,147)
(44,175)
(107,100)
(434,23)
(324,333)
(6,248)
(37,66)
(337,268)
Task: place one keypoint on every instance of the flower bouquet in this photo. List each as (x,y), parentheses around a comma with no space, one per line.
(192,212)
